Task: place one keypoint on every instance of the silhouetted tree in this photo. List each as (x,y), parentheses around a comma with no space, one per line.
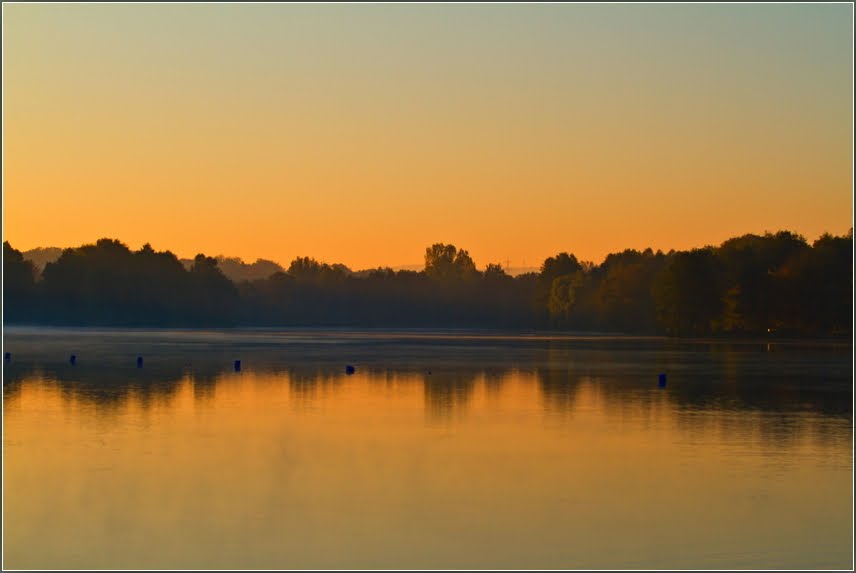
(238,271)
(447,263)
(552,268)
(563,296)
(19,287)
(749,266)
(687,294)
(214,297)
(816,288)
(495,272)
(750,285)
(624,297)
(561,264)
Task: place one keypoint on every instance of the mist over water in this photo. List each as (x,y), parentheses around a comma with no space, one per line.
(442,450)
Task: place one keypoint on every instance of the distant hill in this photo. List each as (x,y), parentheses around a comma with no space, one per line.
(238,271)
(517,271)
(513,271)
(41,256)
(409,267)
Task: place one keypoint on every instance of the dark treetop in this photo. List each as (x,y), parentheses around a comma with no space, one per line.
(771,284)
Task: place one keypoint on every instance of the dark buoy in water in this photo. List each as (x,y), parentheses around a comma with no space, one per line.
(662,382)
(237,365)
(349,369)
(7,356)
(139,361)
(72,359)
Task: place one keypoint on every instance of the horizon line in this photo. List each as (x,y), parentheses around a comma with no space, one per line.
(414,265)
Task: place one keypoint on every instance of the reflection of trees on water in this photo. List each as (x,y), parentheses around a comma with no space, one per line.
(204,387)
(494,378)
(111,388)
(306,383)
(389,379)
(739,387)
(735,391)
(558,387)
(13,376)
(448,393)
(770,429)
(722,377)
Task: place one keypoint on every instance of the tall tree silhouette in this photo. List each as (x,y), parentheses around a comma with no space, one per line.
(447,263)
(18,286)
(687,293)
(749,285)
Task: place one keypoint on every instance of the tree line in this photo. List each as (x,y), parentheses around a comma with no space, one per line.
(776,283)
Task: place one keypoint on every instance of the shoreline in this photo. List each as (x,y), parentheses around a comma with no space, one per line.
(425,333)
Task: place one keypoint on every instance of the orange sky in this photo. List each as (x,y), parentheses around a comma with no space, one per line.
(361,134)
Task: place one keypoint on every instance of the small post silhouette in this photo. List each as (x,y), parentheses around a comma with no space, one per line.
(662,381)
(72,359)
(7,356)
(237,365)
(349,369)
(139,361)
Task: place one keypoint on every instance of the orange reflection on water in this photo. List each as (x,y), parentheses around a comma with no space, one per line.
(414,470)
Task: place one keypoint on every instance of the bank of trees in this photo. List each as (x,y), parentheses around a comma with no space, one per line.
(108,284)
(749,285)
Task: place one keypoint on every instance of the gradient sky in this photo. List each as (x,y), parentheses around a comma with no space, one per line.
(361,134)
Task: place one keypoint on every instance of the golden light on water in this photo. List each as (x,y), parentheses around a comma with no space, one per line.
(399,468)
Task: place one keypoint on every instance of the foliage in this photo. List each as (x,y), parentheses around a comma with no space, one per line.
(18,285)
(446,263)
(749,285)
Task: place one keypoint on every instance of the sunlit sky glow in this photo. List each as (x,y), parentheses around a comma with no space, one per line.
(361,134)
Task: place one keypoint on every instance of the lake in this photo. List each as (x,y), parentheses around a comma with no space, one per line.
(442,450)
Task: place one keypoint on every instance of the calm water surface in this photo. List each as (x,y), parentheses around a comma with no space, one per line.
(441,451)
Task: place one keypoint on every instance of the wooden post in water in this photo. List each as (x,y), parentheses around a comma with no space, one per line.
(237,365)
